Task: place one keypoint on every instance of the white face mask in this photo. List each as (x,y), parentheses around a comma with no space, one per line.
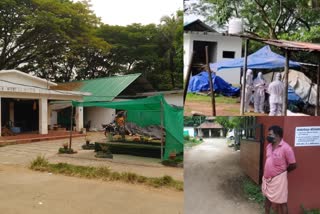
(260,76)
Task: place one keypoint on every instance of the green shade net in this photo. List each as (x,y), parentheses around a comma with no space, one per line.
(147,111)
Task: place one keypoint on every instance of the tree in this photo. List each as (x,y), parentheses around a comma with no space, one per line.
(266,18)
(172,42)
(47,37)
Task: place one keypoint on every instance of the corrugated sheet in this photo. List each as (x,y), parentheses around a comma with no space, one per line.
(285,44)
(102,89)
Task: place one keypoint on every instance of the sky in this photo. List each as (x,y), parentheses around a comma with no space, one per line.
(126,12)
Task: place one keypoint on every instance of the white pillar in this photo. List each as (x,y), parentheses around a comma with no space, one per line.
(0,117)
(49,116)
(210,133)
(221,133)
(79,118)
(11,112)
(43,116)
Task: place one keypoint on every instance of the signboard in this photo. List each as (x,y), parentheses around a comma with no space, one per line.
(307,136)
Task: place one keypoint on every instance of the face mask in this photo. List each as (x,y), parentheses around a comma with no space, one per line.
(270,139)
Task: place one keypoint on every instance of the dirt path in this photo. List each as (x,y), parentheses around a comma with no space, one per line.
(224,109)
(28,192)
(212,177)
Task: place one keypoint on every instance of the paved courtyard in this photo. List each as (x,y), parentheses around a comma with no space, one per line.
(23,154)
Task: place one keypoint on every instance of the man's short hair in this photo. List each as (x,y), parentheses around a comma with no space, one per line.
(277,130)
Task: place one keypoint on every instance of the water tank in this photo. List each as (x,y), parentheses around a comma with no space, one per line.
(235,26)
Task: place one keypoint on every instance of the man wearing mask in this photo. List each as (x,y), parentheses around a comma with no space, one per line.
(276,91)
(280,160)
(259,85)
(249,88)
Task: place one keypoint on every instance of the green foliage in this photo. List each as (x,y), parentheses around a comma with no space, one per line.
(218,98)
(186,137)
(154,51)
(64,40)
(63,150)
(310,211)
(104,173)
(252,191)
(272,18)
(193,121)
(40,163)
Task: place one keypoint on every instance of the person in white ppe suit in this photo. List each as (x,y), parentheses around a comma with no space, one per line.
(276,91)
(259,85)
(248,91)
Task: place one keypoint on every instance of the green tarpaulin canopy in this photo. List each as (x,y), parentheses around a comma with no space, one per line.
(151,111)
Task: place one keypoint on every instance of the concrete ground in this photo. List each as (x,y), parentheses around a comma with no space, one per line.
(23,154)
(27,192)
(212,180)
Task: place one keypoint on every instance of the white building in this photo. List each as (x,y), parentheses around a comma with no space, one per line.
(190,131)
(197,35)
(25,102)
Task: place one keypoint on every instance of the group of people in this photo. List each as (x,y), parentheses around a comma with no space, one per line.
(258,87)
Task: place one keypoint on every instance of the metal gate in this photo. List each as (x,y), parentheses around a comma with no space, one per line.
(251,150)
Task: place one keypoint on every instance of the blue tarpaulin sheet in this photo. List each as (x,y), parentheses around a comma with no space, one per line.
(293,97)
(264,58)
(200,82)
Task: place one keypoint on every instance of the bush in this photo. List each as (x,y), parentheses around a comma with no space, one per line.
(66,151)
(39,163)
(311,211)
(186,137)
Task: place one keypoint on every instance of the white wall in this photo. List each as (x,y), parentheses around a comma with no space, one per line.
(224,43)
(174,99)
(98,116)
(54,118)
(190,130)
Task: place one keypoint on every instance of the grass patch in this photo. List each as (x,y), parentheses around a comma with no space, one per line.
(192,142)
(309,211)
(253,191)
(218,98)
(104,173)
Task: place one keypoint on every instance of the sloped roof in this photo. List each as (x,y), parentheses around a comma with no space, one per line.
(29,76)
(209,125)
(102,89)
(198,25)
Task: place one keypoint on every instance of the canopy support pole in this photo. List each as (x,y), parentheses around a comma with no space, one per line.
(70,139)
(318,91)
(244,74)
(187,80)
(162,129)
(286,80)
(213,102)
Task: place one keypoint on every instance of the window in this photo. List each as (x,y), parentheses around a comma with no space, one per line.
(228,54)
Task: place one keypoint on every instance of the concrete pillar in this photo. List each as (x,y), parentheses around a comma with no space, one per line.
(43,116)
(49,117)
(79,118)
(221,133)
(11,112)
(210,133)
(0,118)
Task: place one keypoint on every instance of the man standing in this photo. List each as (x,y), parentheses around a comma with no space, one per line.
(249,88)
(276,91)
(259,93)
(280,160)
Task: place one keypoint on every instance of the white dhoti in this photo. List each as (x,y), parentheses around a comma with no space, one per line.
(276,188)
